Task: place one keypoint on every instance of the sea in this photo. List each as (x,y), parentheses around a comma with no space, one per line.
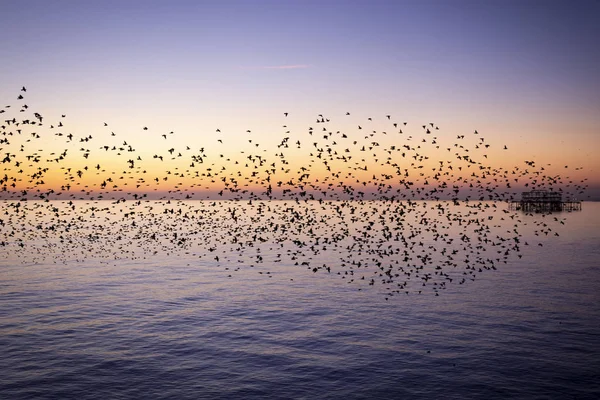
(125,300)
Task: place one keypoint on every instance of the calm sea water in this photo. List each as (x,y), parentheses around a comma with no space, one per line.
(177,325)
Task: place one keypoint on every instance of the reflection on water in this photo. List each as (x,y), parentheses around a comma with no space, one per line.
(106,317)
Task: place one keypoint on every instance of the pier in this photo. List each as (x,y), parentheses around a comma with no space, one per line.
(542,201)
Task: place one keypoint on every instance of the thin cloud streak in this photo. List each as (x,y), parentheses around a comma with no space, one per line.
(297,66)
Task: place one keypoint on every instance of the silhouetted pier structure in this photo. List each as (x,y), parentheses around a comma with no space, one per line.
(544,201)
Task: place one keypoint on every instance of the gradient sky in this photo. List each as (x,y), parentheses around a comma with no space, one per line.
(524,73)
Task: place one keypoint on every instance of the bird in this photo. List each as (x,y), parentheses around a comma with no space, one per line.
(375,206)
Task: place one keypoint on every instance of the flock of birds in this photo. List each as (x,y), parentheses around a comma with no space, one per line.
(408,210)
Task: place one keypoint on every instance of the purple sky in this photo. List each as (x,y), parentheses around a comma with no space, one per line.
(525,71)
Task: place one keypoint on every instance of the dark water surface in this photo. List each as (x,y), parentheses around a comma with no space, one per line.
(172,327)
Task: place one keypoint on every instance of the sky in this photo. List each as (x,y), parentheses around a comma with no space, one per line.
(522,73)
